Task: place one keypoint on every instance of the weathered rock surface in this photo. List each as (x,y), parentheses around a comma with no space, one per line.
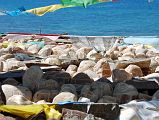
(156,95)
(2,96)
(34,49)
(107,99)
(45,52)
(82,52)
(69,88)
(53,61)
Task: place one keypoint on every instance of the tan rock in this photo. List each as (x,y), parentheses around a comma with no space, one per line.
(93,75)
(129,54)
(32,76)
(153,65)
(125,58)
(10,90)
(119,75)
(18,100)
(106,71)
(65,97)
(47,95)
(99,64)
(94,55)
(7,56)
(82,52)
(85,65)
(45,52)
(33,49)
(142,63)
(140,55)
(71,68)
(53,61)
(134,70)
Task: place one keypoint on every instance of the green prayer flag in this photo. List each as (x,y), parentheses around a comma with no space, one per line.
(83,2)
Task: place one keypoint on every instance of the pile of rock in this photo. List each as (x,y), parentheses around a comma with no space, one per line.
(86,73)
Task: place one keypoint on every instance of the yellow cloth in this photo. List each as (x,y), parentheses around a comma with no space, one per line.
(26,111)
(42,10)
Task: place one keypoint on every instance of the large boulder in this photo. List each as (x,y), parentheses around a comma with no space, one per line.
(10,90)
(119,75)
(134,70)
(32,76)
(65,97)
(47,95)
(18,100)
(85,65)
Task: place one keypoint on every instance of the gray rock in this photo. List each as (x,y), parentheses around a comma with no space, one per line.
(65,97)
(32,76)
(107,99)
(68,88)
(81,78)
(47,84)
(120,75)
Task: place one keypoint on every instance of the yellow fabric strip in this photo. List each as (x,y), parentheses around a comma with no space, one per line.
(42,10)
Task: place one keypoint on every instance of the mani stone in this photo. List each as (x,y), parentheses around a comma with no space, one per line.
(85,65)
(81,78)
(32,76)
(120,75)
(134,70)
(46,95)
(10,81)
(47,84)
(60,77)
(142,63)
(45,52)
(10,90)
(18,100)
(65,97)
